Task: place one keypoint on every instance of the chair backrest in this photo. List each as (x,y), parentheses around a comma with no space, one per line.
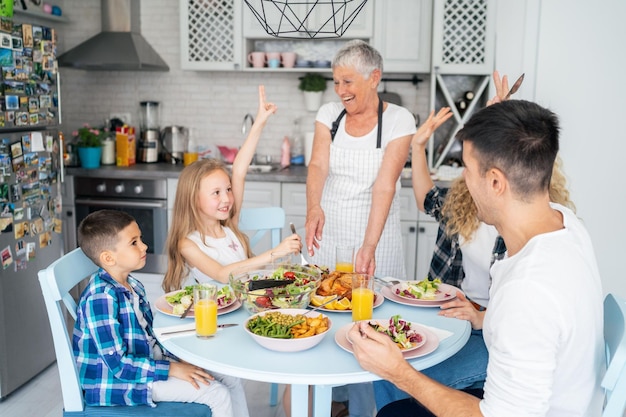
(262,220)
(614,381)
(56,282)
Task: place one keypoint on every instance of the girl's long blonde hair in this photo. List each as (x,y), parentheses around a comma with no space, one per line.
(186,219)
(460,212)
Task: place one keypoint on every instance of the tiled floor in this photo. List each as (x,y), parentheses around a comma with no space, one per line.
(41,397)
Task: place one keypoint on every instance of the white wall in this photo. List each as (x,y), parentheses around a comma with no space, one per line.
(579,74)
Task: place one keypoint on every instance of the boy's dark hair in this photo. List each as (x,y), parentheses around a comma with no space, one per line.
(99,232)
(518,137)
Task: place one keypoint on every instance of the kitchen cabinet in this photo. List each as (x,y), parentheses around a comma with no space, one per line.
(406,47)
(210,35)
(293,200)
(427,228)
(464,36)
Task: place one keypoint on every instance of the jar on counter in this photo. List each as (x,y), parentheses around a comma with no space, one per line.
(108,151)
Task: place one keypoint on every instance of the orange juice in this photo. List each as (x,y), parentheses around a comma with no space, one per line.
(344,267)
(189,158)
(205,312)
(362,304)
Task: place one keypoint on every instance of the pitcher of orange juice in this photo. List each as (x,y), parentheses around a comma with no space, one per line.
(205,310)
(344,259)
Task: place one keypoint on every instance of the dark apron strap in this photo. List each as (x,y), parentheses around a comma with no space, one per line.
(333,130)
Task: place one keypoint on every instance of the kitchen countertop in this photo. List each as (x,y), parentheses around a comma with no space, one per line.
(294,174)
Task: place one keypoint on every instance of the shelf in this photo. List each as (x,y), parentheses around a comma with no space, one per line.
(40,15)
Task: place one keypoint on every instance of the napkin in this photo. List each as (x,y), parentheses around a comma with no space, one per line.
(441,333)
(184,329)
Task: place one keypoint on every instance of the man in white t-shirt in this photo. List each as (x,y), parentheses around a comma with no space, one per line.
(543,327)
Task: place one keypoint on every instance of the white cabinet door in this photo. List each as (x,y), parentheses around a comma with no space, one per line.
(293,201)
(409,244)
(426,239)
(464,36)
(210,35)
(402,34)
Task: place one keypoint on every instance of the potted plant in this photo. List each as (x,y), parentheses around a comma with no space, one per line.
(313,86)
(89,142)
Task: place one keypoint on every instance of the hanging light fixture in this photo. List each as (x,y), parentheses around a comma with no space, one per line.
(297,19)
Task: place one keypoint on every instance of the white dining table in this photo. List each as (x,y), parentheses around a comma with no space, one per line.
(233,352)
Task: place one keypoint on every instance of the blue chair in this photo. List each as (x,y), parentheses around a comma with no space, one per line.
(614,381)
(56,281)
(262,220)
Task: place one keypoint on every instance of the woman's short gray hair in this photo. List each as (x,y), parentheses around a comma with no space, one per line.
(359,55)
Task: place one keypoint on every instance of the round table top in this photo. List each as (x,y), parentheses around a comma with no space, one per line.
(233,352)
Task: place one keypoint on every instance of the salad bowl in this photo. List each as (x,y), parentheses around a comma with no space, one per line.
(268,287)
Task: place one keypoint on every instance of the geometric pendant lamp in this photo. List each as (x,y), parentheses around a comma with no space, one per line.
(313,19)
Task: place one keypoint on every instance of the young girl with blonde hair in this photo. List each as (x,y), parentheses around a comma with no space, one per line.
(204,241)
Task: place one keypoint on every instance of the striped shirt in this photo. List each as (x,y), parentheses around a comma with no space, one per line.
(111,348)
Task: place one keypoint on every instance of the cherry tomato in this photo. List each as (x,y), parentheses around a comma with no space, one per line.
(263,302)
(289,275)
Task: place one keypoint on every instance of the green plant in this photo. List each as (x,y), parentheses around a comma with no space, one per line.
(312,82)
(90,137)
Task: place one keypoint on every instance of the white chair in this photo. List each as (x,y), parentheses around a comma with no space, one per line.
(614,381)
(262,220)
(56,282)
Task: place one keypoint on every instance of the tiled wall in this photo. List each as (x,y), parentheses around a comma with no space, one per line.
(212,103)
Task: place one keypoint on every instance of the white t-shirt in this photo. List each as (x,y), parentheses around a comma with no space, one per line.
(544,328)
(477,253)
(225,250)
(397,122)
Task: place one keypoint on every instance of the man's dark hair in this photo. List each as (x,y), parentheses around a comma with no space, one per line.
(99,232)
(519,138)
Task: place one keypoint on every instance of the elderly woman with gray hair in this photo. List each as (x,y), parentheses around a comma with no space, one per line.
(360,147)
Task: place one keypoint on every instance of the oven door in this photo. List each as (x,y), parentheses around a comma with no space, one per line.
(151,216)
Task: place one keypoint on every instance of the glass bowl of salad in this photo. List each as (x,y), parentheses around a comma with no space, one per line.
(268,287)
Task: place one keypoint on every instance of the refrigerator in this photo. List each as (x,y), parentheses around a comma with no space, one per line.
(31,174)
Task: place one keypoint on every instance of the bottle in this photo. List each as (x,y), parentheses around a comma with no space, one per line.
(469,96)
(285,156)
(297,145)
(461,105)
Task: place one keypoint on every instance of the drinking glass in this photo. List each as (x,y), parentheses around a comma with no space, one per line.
(283,258)
(205,310)
(362,297)
(344,259)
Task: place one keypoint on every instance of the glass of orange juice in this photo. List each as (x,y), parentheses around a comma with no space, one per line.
(205,310)
(362,297)
(344,259)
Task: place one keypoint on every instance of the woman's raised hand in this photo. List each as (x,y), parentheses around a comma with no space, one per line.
(430,125)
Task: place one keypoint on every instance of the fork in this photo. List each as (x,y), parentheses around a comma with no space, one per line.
(387,282)
(303,260)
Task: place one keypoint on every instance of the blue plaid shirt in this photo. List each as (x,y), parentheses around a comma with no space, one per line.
(112,350)
(447,261)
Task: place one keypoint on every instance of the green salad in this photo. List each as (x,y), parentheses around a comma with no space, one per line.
(184,298)
(423,290)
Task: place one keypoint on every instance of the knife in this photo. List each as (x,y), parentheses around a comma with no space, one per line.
(186,312)
(219,326)
(515,87)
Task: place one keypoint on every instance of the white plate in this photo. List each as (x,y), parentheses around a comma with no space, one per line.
(164,307)
(378,300)
(385,323)
(445,292)
(432,342)
(389,295)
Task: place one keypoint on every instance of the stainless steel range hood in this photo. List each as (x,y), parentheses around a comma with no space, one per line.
(119,46)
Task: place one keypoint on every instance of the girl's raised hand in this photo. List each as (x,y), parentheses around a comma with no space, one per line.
(266,109)
(430,125)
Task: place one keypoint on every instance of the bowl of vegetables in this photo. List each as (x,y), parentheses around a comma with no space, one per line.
(288,330)
(268,287)
(181,299)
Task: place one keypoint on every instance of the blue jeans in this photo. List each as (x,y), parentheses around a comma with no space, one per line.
(465,369)
(359,397)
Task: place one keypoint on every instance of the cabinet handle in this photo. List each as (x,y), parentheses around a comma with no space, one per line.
(422,230)
(412,229)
